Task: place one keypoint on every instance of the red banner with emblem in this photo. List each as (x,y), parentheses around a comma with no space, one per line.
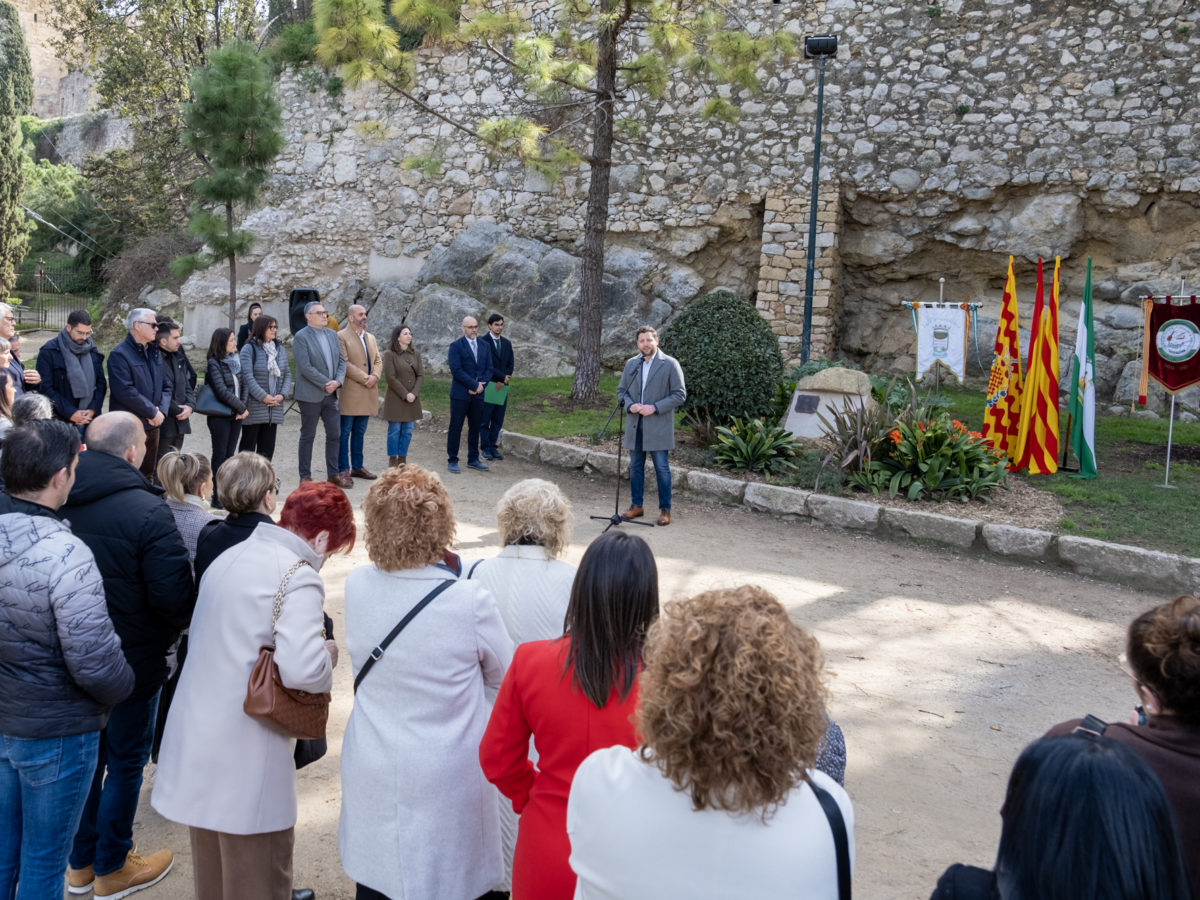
(1171,344)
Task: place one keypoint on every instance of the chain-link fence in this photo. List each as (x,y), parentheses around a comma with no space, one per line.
(49,293)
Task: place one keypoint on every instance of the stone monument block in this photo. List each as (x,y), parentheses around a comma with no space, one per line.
(824,393)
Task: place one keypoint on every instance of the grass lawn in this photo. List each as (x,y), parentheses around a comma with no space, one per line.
(1127,503)
(537,406)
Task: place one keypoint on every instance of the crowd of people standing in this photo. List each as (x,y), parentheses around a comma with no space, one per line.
(519,725)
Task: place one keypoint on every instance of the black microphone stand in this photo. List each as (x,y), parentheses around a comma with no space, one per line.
(615,518)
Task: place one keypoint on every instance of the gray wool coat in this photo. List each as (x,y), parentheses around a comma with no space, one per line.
(254,376)
(664,389)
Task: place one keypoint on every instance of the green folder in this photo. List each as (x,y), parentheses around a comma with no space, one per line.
(495,393)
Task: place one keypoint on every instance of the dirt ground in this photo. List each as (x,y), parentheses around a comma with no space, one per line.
(941,666)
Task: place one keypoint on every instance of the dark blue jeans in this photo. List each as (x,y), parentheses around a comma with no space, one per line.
(489,428)
(350,448)
(637,477)
(471,412)
(44,784)
(105,834)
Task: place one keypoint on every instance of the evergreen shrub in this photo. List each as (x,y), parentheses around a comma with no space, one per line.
(730,358)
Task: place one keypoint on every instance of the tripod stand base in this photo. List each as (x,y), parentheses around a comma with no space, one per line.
(616,520)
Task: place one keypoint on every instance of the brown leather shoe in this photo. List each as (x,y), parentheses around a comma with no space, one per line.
(347,481)
(634,512)
(664,517)
(336,480)
(363,473)
(304,479)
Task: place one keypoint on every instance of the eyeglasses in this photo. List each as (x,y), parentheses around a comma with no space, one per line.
(144,322)
(272,328)
(471,327)
(278,483)
(319,312)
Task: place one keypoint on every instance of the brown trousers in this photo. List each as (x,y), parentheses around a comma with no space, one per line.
(242,866)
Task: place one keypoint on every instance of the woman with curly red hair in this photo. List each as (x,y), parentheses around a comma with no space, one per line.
(722,800)
(225,775)
(575,694)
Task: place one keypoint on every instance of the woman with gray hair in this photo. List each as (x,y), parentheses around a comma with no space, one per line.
(532,587)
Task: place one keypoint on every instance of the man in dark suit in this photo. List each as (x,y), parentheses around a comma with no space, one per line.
(471,366)
(502,368)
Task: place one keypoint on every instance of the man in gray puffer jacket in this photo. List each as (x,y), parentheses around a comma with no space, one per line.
(61,665)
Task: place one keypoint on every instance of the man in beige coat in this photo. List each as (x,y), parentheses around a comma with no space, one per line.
(360,397)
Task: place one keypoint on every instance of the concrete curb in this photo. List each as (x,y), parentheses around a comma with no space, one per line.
(1107,562)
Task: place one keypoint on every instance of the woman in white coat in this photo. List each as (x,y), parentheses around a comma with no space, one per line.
(532,587)
(723,799)
(226,776)
(418,818)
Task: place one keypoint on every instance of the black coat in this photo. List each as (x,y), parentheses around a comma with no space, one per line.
(135,380)
(147,576)
(218,536)
(219,377)
(180,377)
(57,386)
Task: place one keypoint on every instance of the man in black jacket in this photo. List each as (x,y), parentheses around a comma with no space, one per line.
(180,379)
(135,381)
(72,371)
(150,594)
(501,350)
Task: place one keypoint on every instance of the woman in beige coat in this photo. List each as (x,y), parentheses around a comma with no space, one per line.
(402,402)
(228,777)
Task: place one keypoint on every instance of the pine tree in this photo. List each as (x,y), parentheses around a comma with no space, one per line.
(14,231)
(598,66)
(232,124)
(14,58)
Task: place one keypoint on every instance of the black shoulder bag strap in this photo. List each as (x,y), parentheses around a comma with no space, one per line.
(377,653)
(841,843)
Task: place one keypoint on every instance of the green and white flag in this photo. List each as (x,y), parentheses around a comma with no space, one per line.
(1082,409)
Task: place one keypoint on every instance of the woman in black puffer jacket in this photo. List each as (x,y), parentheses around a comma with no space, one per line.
(223,373)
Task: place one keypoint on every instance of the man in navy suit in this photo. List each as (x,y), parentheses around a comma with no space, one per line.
(501,350)
(471,366)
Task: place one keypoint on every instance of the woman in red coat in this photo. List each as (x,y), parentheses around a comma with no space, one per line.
(575,694)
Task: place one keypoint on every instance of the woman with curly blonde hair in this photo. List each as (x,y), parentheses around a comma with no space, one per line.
(418,819)
(722,799)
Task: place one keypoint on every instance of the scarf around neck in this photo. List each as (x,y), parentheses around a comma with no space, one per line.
(82,378)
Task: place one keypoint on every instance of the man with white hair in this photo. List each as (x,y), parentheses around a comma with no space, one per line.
(16,370)
(320,371)
(136,383)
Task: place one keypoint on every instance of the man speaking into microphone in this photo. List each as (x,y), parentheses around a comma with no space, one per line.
(651,389)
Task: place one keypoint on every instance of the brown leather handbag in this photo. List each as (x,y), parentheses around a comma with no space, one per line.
(289,712)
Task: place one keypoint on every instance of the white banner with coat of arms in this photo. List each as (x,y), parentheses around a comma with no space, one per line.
(942,330)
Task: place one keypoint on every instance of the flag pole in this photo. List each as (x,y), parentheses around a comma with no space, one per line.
(1170,432)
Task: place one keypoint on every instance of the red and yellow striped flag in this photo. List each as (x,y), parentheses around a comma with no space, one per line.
(1001,414)
(1037,437)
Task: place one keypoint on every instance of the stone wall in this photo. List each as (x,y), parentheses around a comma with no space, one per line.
(955,134)
(56,91)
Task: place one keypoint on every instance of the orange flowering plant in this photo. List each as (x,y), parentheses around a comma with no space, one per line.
(933,456)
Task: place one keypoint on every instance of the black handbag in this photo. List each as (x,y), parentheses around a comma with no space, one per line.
(209,404)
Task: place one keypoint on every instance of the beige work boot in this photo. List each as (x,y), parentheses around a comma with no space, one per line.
(138,872)
(79,881)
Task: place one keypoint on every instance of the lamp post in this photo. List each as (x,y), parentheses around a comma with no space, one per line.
(819,47)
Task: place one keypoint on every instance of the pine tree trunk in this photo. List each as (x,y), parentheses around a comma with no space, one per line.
(586,387)
(232,269)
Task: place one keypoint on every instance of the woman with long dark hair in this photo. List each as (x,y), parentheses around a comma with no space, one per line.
(402,402)
(1084,819)
(268,381)
(1163,651)
(574,695)
(223,374)
(243,334)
